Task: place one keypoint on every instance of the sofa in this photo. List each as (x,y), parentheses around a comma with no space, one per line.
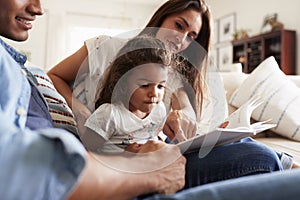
(279,140)
(232,81)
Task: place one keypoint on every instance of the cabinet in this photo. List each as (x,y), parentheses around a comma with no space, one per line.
(253,50)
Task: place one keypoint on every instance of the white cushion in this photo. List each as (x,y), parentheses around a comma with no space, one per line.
(280,96)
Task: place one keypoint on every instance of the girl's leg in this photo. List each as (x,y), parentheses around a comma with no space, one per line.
(233,160)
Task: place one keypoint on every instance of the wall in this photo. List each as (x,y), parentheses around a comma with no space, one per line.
(48,44)
(250,15)
(48,41)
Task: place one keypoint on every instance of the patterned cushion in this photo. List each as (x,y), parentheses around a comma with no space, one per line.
(60,112)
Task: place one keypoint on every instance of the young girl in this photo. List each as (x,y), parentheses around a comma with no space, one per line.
(129,107)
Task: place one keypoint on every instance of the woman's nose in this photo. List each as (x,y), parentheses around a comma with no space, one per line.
(180,38)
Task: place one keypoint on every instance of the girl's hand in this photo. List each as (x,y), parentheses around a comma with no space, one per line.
(150,146)
(179,127)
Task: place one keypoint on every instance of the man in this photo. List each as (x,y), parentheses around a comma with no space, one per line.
(41,162)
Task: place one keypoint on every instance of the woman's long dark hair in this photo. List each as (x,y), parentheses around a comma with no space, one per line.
(196,58)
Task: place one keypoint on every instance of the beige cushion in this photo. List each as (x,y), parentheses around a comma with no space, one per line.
(280,96)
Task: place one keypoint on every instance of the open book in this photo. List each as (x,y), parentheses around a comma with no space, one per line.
(237,126)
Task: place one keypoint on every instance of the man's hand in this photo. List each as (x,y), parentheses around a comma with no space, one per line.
(171,178)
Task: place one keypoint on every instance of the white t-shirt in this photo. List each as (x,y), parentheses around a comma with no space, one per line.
(118,126)
(101,52)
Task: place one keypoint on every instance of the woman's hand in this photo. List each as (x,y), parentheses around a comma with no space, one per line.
(82,113)
(179,127)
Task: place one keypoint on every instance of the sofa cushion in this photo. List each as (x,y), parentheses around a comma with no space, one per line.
(280,97)
(62,116)
(232,80)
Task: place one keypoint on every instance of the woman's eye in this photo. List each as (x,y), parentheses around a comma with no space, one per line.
(190,38)
(179,26)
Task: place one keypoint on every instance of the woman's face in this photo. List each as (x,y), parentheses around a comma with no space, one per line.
(180,29)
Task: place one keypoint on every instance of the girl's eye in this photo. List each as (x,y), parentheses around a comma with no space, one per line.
(161,86)
(144,85)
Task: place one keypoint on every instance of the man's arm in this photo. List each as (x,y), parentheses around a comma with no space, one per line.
(125,177)
(51,163)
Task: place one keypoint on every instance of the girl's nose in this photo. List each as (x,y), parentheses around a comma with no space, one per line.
(153,92)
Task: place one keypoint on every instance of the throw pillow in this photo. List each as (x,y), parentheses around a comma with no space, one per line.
(280,98)
(62,116)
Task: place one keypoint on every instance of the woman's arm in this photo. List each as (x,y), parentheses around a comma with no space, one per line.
(66,71)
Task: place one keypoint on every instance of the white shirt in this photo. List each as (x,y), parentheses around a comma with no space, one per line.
(118,126)
(101,52)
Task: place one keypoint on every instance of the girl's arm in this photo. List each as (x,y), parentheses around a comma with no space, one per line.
(181,122)
(91,140)
(180,101)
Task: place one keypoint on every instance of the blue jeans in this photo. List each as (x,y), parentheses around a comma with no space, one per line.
(271,186)
(237,159)
(245,157)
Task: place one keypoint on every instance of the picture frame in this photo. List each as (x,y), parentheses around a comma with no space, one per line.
(227,27)
(215,39)
(213,59)
(225,57)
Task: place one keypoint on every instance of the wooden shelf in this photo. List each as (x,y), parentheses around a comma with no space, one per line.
(252,51)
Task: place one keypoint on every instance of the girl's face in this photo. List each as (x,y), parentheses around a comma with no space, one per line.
(147,86)
(180,29)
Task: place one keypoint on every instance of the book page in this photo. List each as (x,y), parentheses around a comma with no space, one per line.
(237,126)
(241,118)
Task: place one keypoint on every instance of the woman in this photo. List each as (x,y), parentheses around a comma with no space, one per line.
(198,29)
(188,21)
